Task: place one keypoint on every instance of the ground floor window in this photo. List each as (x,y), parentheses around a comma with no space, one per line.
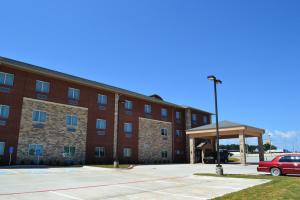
(127,152)
(2,146)
(100,152)
(164,154)
(35,150)
(69,151)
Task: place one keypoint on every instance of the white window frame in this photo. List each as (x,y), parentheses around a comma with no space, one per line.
(72,120)
(99,121)
(5,78)
(35,149)
(98,153)
(39,116)
(100,98)
(128,105)
(178,117)
(164,112)
(2,107)
(68,154)
(148,108)
(127,152)
(164,132)
(164,154)
(126,124)
(73,96)
(43,84)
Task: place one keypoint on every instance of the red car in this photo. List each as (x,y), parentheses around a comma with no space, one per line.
(281,165)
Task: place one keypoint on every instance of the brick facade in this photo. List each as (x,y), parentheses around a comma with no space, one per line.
(25,77)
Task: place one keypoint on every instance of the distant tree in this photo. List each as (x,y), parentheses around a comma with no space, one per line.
(267,147)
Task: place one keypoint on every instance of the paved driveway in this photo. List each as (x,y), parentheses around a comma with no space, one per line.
(142,182)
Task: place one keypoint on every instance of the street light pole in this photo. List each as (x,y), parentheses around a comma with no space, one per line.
(219,168)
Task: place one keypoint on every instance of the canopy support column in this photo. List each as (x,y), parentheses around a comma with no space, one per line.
(260,148)
(242,148)
(192,150)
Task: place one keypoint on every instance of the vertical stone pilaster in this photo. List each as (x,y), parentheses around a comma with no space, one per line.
(192,150)
(188,125)
(116,120)
(260,148)
(242,148)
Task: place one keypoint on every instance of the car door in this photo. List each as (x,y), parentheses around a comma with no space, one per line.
(296,164)
(286,165)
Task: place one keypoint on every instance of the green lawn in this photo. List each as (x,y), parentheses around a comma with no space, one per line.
(122,166)
(283,187)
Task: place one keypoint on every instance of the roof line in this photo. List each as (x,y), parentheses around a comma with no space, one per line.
(48,72)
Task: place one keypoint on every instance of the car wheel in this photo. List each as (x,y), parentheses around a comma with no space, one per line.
(275,171)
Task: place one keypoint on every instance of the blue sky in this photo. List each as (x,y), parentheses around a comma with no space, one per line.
(169,47)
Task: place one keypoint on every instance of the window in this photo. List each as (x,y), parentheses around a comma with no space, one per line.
(148,109)
(101,124)
(69,151)
(164,132)
(6,79)
(194,117)
(2,146)
(297,159)
(128,128)
(164,112)
(127,152)
(178,115)
(71,120)
(35,150)
(128,105)
(4,111)
(74,93)
(41,86)
(205,119)
(164,154)
(102,99)
(286,159)
(39,116)
(100,152)
(179,133)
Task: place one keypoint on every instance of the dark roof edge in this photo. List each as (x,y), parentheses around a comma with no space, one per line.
(49,72)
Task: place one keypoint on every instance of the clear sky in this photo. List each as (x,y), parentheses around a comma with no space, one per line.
(169,47)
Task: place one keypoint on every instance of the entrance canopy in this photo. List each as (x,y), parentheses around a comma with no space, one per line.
(227,130)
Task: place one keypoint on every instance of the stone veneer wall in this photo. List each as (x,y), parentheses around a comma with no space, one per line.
(54,135)
(151,143)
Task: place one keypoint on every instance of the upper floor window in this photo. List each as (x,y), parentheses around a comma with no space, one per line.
(6,79)
(101,124)
(194,117)
(35,150)
(102,99)
(128,105)
(164,112)
(4,111)
(205,119)
(71,120)
(100,152)
(42,86)
(74,93)
(148,109)
(127,152)
(39,116)
(69,151)
(178,115)
(128,128)
(164,132)
(179,133)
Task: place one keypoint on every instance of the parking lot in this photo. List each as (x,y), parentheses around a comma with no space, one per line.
(142,182)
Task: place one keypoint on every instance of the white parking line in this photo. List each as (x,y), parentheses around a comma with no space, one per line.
(66,195)
(160,192)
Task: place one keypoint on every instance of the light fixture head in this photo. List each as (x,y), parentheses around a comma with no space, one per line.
(218,81)
(212,78)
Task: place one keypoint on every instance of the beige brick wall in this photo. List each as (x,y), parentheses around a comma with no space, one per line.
(151,143)
(54,135)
